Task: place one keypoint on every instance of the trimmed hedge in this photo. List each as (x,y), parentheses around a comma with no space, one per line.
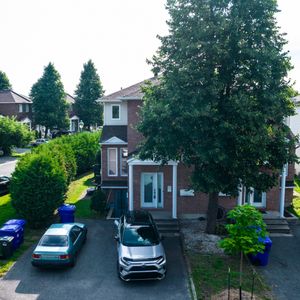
(38,187)
(40,181)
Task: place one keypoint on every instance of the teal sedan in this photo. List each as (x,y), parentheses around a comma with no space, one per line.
(59,245)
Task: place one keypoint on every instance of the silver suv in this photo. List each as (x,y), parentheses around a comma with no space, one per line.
(141,254)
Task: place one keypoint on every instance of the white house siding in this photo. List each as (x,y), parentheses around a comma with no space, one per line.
(108,113)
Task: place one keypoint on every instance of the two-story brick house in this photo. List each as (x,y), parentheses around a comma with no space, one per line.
(132,183)
(16,105)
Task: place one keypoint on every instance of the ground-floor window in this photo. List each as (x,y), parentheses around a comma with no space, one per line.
(255,197)
(152,190)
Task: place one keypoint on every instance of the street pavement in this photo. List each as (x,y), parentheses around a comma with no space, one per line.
(283,270)
(7,165)
(95,274)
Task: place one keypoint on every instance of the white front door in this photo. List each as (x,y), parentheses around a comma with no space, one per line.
(256,198)
(152,190)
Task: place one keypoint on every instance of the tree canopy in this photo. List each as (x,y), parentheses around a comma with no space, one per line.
(13,134)
(222,98)
(88,91)
(49,100)
(4,82)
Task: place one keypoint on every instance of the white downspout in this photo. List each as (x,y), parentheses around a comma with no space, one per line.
(240,197)
(282,191)
(174,193)
(130,187)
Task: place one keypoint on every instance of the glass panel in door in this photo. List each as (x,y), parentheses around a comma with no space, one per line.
(148,186)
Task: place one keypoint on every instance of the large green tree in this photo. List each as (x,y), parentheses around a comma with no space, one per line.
(88,91)
(13,134)
(4,82)
(49,100)
(222,97)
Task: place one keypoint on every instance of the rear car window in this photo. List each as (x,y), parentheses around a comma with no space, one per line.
(54,241)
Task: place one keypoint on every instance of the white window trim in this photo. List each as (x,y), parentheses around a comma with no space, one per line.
(123,175)
(20,108)
(115,119)
(153,204)
(108,160)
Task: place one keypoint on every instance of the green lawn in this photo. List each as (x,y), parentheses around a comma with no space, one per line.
(210,275)
(76,195)
(6,210)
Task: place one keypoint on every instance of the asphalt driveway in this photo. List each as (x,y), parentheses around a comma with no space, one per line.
(283,270)
(95,276)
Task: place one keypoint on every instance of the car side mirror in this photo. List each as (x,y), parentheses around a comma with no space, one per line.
(117,238)
(116,222)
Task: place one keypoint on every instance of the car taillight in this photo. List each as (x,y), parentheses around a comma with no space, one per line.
(36,256)
(64,256)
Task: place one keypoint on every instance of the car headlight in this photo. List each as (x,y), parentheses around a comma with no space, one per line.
(160,259)
(125,260)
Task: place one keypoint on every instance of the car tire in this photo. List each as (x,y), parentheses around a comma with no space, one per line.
(73,262)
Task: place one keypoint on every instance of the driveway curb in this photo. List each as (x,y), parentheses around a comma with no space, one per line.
(188,267)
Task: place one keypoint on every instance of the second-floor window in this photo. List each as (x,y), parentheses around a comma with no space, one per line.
(115,112)
(23,108)
(112,159)
(124,155)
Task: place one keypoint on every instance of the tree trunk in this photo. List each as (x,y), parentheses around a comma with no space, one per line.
(241,272)
(212,212)
(46,132)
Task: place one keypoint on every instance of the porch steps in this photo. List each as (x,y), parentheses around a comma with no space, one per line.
(168,227)
(277,226)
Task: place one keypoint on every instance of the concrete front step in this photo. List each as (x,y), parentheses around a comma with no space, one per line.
(168,227)
(279,229)
(276,222)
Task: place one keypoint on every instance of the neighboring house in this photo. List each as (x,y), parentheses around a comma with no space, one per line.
(294,123)
(74,120)
(16,105)
(131,183)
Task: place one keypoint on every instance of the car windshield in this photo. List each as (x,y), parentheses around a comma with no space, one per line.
(140,236)
(54,241)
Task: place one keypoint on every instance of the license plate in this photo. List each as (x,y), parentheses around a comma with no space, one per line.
(50,257)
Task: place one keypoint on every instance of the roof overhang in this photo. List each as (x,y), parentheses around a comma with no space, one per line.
(114,141)
(138,162)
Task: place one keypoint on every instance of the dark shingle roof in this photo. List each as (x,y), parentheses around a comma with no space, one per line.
(119,131)
(133,91)
(9,96)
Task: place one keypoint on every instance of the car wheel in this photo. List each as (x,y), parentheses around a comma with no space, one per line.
(73,262)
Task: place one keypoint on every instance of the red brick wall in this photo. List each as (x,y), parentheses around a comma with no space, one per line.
(133,136)
(104,163)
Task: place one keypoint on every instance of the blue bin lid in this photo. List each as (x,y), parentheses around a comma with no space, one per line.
(12,228)
(20,222)
(67,208)
(265,240)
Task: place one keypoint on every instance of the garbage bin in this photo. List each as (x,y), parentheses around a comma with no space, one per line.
(66,213)
(6,246)
(15,231)
(20,222)
(261,259)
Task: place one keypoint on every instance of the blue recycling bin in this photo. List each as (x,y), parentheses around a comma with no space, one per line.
(66,213)
(261,259)
(13,230)
(19,222)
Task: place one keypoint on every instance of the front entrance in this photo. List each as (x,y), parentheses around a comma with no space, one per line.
(255,198)
(152,190)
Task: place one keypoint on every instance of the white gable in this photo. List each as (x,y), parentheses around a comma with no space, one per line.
(114,141)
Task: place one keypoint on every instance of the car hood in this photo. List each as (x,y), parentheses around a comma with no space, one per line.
(142,252)
(41,249)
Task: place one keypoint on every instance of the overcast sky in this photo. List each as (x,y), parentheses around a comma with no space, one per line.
(118,35)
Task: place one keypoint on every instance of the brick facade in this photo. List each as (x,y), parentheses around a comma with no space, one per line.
(12,110)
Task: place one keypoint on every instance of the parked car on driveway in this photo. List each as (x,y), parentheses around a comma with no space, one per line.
(4,184)
(39,142)
(141,254)
(60,245)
